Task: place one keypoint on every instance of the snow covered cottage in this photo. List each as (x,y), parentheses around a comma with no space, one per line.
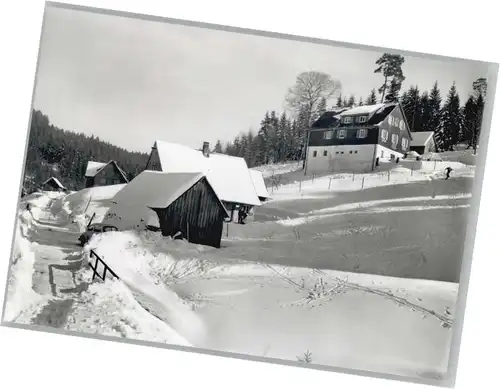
(357,139)
(176,203)
(228,176)
(102,174)
(423,142)
(53,185)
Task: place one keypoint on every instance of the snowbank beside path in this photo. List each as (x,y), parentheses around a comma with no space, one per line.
(89,201)
(22,302)
(117,250)
(110,309)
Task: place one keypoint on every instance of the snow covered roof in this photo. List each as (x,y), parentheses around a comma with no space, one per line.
(421,138)
(93,167)
(229,176)
(58,183)
(363,109)
(259,184)
(131,206)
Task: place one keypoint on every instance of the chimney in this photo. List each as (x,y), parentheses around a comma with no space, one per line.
(206,149)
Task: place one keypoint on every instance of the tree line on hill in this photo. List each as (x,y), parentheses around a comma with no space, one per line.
(281,136)
(63,154)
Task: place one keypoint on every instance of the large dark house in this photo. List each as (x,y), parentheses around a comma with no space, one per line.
(102,174)
(423,142)
(357,139)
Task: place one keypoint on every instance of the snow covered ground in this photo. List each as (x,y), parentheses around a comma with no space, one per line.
(358,271)
(343,319)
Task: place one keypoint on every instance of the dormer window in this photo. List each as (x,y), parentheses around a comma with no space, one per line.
(362,119)
(328,134)
(347,119)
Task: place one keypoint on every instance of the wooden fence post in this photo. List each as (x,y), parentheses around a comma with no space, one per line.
(330,184)
(300,186)
(363,183)
(435,162)
(227,230)
(353,176)
(388,176)
(90,199)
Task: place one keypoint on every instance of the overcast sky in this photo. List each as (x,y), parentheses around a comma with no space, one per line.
(131,81)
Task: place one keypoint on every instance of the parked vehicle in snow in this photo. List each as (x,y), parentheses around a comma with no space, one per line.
(96,228)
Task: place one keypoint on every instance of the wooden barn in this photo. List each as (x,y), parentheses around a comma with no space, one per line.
(182,204)
(229,176)
(53,185)
(193,212)
(102,174)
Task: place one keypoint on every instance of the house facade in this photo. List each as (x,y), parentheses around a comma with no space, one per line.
(423,142)
(102,174)
(358,139)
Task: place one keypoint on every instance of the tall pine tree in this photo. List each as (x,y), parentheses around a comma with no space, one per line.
(448,135)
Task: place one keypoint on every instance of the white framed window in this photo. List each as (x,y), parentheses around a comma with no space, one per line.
(328,134)
(404,143)
(355,151)
(325,153)
(402,125)
(384,135)
(315,153)
(362,119)
(342,134)
(394,139)
(390,120)
(396,122)
(347,119)
(362,133)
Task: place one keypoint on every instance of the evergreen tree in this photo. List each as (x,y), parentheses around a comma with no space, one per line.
(449,132)
(425,112)
(479,121)
(360,103)
(372,98)
(390,66)
(434,108)
(470,114)
(411,106)
(321,108)
(393,91)
(352,101)
(339,101)
(218,147)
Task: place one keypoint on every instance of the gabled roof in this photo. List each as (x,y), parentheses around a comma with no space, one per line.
(363,109)
(93,168)
(421,138)
(134,204)
(259,184)
(57,182)
(228,176)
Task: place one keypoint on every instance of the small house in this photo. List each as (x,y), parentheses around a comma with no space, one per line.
(229,176)
(102,174)
(53,185)
(179,204)
(423,142)
(357,139)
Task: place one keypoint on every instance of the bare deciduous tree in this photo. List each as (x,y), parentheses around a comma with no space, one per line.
(309,90)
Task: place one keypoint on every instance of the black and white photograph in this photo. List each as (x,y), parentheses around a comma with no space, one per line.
(245,194)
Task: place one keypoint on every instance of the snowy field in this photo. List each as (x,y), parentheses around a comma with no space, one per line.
(358,271)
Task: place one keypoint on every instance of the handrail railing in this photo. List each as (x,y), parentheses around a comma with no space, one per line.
(98,259)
